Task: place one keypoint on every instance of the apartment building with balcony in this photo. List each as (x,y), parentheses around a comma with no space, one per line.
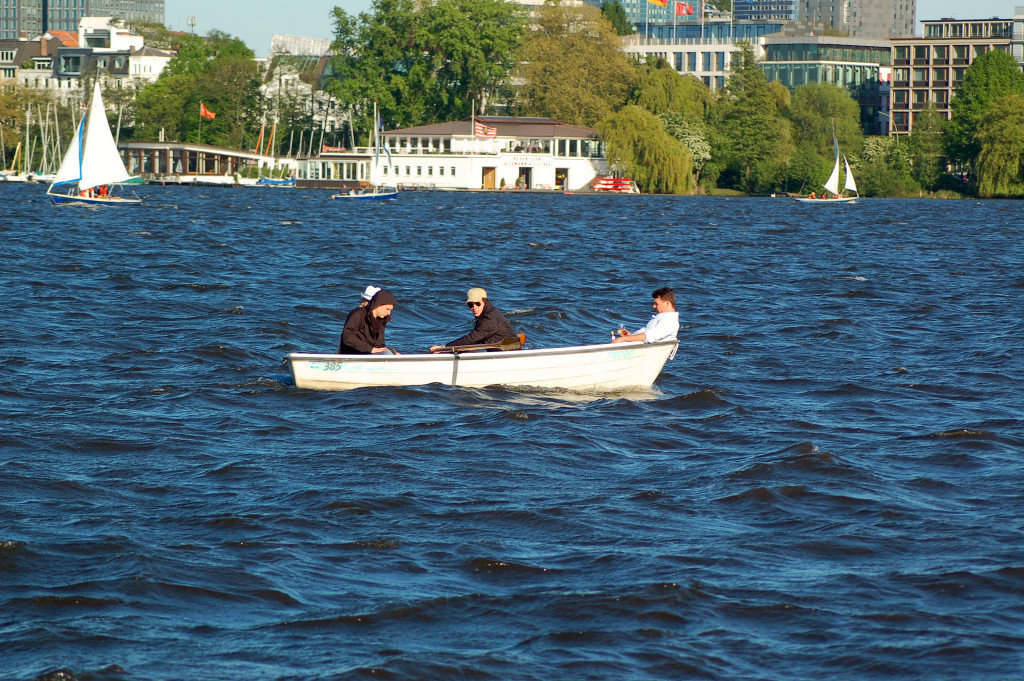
(928,69)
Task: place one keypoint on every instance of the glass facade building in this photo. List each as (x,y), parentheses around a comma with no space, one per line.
(35,17)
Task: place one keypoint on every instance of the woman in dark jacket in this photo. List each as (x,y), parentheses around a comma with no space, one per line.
(364,326)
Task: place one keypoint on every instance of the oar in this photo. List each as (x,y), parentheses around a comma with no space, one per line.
(505,344)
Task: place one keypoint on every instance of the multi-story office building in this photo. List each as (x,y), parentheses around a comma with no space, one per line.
(767,10)
(36,17)
(703,51)
(857,65)
(927,70)
(863,18)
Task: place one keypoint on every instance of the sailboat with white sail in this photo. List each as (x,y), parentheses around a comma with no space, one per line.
(92,165)
(832,193)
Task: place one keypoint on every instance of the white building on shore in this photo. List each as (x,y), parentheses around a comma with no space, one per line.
(488,152)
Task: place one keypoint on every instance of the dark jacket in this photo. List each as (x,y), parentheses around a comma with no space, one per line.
(490,327)
(364,332)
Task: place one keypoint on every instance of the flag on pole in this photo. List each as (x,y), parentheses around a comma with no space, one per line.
(481,130)
(683,9)
(659,3)
(206,113)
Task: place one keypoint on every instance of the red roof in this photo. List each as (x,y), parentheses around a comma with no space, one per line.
(67,38)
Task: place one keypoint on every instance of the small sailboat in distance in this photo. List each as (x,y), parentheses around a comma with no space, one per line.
(92,166)
(376,192)
(832,183)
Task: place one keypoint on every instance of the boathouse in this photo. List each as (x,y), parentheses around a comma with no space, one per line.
(485,152)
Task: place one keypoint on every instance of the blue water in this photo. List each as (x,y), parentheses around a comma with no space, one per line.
(827,482)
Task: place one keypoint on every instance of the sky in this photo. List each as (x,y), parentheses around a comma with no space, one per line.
(255,21)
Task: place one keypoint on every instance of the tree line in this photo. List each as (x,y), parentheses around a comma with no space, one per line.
(432,62)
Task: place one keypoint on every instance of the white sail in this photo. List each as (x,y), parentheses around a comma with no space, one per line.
(832,184)
(71,167)
(101,164)
(850,183)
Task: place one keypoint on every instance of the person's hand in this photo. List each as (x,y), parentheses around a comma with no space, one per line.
(377,350)
(436,348)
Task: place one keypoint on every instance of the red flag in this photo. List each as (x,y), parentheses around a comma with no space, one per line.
(481,130)
(206,113)
(683,9)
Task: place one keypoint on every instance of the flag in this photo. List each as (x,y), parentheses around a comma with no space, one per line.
(381,142)
(481,130)
(683,9)
(659,3)
(206,113)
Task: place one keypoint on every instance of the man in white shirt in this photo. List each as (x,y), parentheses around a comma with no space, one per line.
(663,325)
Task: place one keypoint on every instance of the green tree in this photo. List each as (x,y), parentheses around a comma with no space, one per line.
(819,111)
(639,146)
(220,72)
(155,35)
(885,168)
(756,139)
(572,66)
(991,76)
(424,62)
(929,164)
(694,136)
(661,90)
(616,15)
(1001,139)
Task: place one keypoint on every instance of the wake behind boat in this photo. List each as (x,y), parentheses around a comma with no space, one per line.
(92,162)
(585,368)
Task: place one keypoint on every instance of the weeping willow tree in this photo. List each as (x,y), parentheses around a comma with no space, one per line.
(1001,138)
(640,147)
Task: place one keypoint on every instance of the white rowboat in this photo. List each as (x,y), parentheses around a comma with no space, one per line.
(585,368)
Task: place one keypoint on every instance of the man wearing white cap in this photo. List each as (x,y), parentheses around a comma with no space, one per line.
(490,326)
(368,295)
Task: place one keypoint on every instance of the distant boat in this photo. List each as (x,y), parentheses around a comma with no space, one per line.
(832,184)
(375,192)
(270,182)
(587,368)
(92,165)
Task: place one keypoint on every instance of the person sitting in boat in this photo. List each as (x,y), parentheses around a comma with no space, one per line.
(368,293)
(104,191)
(812,196)
(490,325)
(364,326)
(663,325)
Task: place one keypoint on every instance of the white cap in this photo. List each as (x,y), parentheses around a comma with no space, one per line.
(370,292)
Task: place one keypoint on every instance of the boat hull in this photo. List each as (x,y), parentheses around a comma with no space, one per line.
(94,200)
(588,368)
(842,199)
(367,196)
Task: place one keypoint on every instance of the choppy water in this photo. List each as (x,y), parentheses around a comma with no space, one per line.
(827,482)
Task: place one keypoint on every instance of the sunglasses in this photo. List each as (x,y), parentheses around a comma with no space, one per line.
(472,305)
